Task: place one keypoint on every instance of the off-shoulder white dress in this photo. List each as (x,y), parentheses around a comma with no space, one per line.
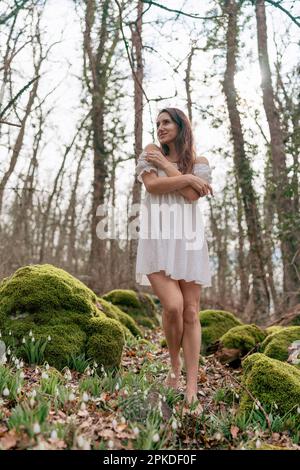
(171,232)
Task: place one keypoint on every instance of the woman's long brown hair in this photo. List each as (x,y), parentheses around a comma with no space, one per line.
(184,142)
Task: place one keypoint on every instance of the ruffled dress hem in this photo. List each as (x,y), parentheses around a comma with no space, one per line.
(141,278)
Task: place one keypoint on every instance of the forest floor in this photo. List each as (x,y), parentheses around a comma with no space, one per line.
(132,409)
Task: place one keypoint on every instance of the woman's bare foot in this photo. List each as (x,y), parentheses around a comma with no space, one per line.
(173,377)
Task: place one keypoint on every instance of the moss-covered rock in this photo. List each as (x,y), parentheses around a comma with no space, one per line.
(102,334)
(273,329)
(243,337)
(276,345)
(49,301)
(270,381)
(138,305)
(214,324)
(112,311)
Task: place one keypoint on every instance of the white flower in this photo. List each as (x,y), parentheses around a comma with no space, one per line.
(110,444)
(36,428)
(9,333)
(83,406)
(36,370)
(174,424)
(49,338)
(22,375)
(21,363)
(298,410)
(45,375)
(237,396)
(114,423)
(23,340)
(95,365)
(53,434)
(136,431)
(276,406)
(32,402)
(19,390)
(8,351)
(117,387)
(123,420)
(156,437)
(18,366)
(30,333)
(33,339)
(80,441)
(33,393)
(71,396)
(102,368)
(258,444)
(88,372)
(85,397)
(47,366)
(218,436)
(5,392)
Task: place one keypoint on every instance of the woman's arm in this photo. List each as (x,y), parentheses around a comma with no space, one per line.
(188,192)
(164,184)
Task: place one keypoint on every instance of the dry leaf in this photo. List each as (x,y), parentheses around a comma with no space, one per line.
(234,430)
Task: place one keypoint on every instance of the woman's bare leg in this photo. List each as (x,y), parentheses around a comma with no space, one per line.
(170,296)
(191,339)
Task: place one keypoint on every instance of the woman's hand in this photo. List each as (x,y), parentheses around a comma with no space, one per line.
(155,157)
(200,185)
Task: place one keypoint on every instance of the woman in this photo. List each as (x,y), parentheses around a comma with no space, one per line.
(175,268)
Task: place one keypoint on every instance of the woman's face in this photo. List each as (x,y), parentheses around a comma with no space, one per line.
(166,128)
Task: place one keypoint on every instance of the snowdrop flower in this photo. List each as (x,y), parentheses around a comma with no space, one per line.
(83,406)
(136,431)
(22,364)
(102,368)
(9,333)
(110,444)
(36,428)
(8,351)
(36,370)
(30,333)
(88,372)
(258,444)
(123,420)
(49,338)
(276,406)
(298,410)
(33,339)
(5,392)
(23,340)
(80,441)
(22,375)
(156,437)
(95,365)
(174,424)
(19,390)
(237,396)
(33,393)
(71,396)
(218,436)
(45,375)
(85,396)
(47,366)
(53,434)
(117,387)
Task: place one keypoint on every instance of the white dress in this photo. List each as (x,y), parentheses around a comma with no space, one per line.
(172,233)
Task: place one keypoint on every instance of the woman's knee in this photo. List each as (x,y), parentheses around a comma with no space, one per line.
(174,309)
(191,315)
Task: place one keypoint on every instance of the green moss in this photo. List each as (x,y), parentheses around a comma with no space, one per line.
(49,301)
(243,337)
(273,329)
(214,324)
(270,381)
(105,342)
(112,311)
(276,345)
(139,306)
